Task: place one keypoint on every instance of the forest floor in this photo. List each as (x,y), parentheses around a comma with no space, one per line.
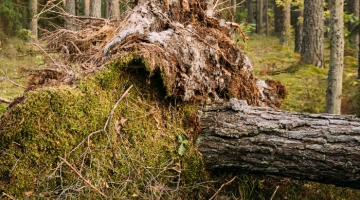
(306,86)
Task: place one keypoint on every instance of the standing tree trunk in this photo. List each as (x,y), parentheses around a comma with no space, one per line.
(355,5)
(298,30)
(233,4)
(33,23)
(333,92)
(359,54)
(114,9)
(95,8)
(285,30)
(77,12)
(70,9)
(250,12)
(107,9)
(277,17)
(267,17)
(87,8)
(312,49)
(258,140)
(260,16)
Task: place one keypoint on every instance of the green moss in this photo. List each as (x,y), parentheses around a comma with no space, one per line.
(140,140)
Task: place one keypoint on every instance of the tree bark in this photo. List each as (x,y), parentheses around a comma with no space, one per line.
(315,147)
(260,16)
(355,6)
(70,9)
(87,8)
(312,49)
(278,15)
(114,9)
(77,12)
(298,30)
(267,17)
(233,4)
(95,8)
(34,21)
(250,13)
(107,9)
(285,27)
(336,64)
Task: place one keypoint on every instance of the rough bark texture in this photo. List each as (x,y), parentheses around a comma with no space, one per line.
(336,64)
(114,9)
(70,9)
(316,147)
(33,22)
(86,7)
(285,27)
(267,17)
(312,49)
(95,8)
(107,9)
(260,16)
(250,13)
(355,6)
(298,30)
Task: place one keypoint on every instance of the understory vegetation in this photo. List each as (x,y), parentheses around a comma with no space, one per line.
(145,148)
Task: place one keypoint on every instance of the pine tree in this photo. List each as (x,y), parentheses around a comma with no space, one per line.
(312,48)
(95,8)
(250,13)
(285,28)
(333,92)
(34,21)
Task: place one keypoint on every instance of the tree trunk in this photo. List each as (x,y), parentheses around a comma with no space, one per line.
(77,12)
(70,9)
(336,64)
(250,13)
(355,5)
(86,7)
(298,30)
(233,4)
(107,9)
(260,16)
(359,54)
(277,16)
(285,30)
(267,17)
(315,147)
(114,9)
(95,8)
(34,21)
(312,49)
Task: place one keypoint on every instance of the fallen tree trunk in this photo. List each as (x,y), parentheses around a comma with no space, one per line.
(316,147)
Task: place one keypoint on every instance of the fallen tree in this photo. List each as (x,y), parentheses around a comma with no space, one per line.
(317,147)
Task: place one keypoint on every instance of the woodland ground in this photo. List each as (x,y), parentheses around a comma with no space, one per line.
(306,86)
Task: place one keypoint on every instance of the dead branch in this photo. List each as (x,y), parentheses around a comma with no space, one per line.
(86,181)
(5,100)
(8,79)
(277,187)
(222,187)
(8,196)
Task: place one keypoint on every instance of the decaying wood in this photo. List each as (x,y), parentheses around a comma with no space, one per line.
(316,147)
(5,100)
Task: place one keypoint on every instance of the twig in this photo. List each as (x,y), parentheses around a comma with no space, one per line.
(5,100)
(222,187)
(86,181)
(8,196)
(274,193)
(8,79)
(117,103)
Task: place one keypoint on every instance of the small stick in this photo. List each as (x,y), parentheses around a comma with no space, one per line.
(222,187)
(277,187)
(8,79)
(5,100)
(8,196)
(86,181)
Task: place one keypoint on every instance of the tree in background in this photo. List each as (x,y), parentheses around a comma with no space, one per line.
(333,92)
(70,9)
(95,8)
(355,5)
(250,13)
(299,25)
(278,12)
(260,16)
(34,21)
(312,49)
(87,8)
(114,10)
(285,26)
(267,17)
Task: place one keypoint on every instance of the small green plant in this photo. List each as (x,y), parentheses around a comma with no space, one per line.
(181,147)
(25,34)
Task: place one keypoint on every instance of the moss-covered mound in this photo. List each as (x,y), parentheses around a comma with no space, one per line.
(136,154)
